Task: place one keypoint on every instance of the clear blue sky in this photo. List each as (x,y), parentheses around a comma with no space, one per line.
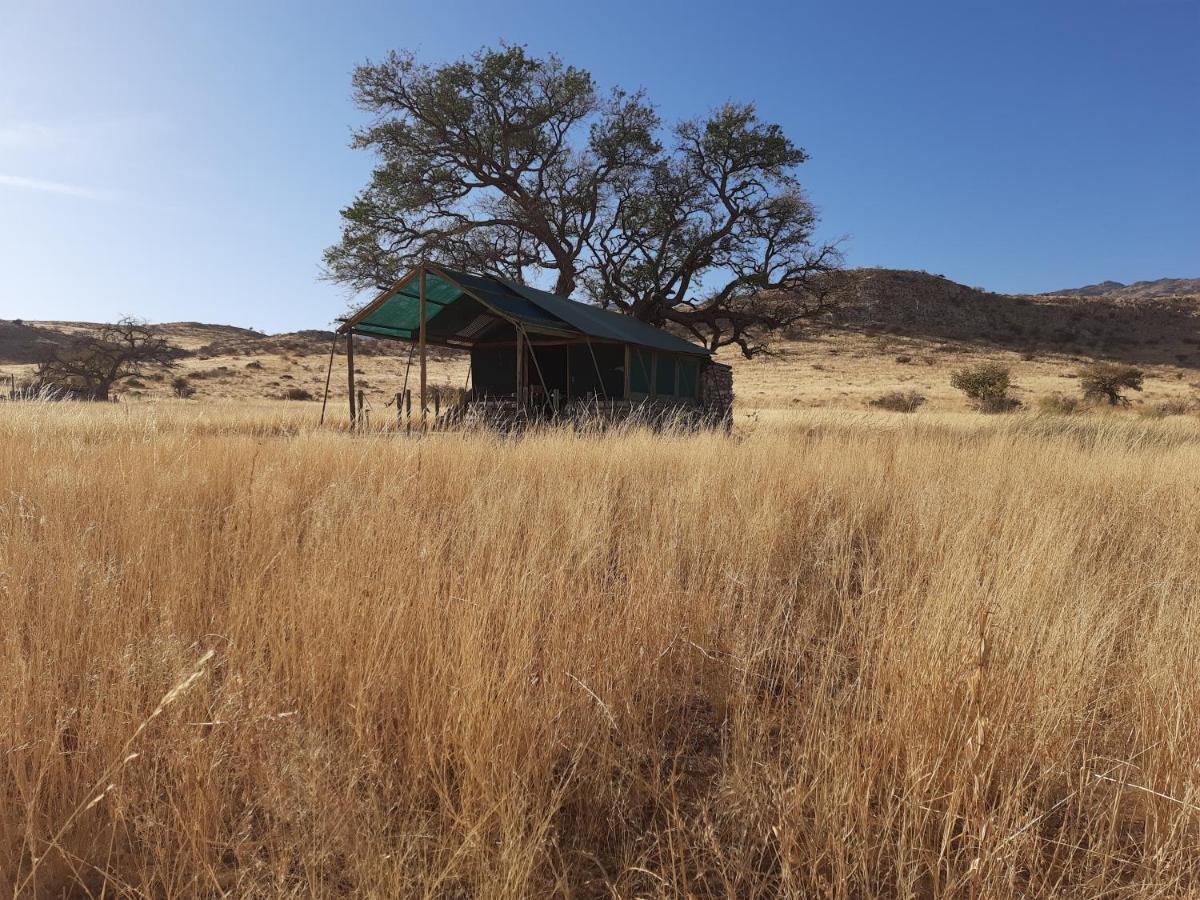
(187,160)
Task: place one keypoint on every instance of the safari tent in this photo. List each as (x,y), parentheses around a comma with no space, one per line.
(536,354)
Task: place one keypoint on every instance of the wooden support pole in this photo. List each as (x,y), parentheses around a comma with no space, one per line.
(350,374)
(422,316)
(328,376)
(599,374)
(520,369)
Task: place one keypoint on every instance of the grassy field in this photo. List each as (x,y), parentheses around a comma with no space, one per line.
(840,654)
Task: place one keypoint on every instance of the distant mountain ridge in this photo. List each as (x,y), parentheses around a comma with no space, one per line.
(1155,329)
(1139,290)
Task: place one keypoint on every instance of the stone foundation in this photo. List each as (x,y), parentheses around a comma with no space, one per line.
(716,395)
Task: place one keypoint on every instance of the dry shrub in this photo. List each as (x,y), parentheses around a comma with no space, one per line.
(899,401)
(1059,405)
(995,405)
(803,663)
(182,387)
(1173,407)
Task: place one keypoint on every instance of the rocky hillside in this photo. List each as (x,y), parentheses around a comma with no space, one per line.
(1163,329)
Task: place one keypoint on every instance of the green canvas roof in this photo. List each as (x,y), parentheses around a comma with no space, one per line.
(603,323)
(454,314)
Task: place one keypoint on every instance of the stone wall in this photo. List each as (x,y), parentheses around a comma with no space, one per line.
(716,395)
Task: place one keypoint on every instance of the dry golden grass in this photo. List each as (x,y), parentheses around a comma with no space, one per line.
(848,369)
(842,654)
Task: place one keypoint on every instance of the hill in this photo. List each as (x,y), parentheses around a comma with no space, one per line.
(1159,329)
(1139,290)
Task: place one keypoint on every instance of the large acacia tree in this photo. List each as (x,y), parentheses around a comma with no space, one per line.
(89,365)
(519,166)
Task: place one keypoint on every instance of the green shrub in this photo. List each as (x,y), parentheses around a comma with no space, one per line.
(986,386)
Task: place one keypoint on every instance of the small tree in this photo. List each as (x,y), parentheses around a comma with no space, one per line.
(1108,381)
(90,365)
(986,386)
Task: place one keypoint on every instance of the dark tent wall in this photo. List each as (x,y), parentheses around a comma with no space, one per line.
(584,371)
(598,371)
(656,374)
(574,370)
(548,369)
(493,372)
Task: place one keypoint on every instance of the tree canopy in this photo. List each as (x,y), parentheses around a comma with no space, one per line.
(1108,381)
(520,166)
(90,364)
